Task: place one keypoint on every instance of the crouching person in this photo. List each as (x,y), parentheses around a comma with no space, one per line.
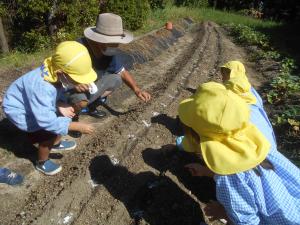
(255,183)
(235,79)
(31,102)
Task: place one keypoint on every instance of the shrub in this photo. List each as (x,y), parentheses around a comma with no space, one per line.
(133,12)
(36,23)
(158,4)
(192,3)
(247,35)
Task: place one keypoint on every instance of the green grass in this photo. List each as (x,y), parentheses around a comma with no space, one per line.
(159,17)
(156,20)
(18,59)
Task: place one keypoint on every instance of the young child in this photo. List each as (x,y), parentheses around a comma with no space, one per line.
(255,183)
(31,102)
(234,78)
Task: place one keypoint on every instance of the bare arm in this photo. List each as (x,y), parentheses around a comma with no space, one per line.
(131,83)
(82,127)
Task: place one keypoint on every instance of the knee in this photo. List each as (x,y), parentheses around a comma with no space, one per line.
(80,105)
(117,81)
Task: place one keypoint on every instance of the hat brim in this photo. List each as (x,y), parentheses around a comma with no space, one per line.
(186,111)
(84,79)
(225,155)
(230,156)
(91,34)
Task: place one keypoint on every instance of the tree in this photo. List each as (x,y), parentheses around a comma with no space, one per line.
(3,40)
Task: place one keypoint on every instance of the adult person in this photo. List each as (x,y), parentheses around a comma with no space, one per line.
(102,42)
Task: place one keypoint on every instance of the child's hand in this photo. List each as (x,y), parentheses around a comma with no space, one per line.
(215,211)
(82,88)
(86,128)
(197,169)
(66,110)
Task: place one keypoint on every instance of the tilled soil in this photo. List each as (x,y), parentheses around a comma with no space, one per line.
(129,171)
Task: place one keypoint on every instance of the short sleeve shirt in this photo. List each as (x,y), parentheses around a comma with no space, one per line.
(107,64)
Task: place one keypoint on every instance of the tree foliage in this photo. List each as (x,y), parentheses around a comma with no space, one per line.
(35,24)
(284,10)
(133,12)
(192,3)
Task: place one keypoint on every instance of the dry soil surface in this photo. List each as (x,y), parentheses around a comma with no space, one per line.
(129,171)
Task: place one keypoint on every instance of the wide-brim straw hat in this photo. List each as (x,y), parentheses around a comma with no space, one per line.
(108,29)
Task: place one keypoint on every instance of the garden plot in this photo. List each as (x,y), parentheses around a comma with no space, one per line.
(129,171)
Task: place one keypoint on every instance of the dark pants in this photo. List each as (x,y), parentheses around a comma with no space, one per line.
(41,136)
(107,82)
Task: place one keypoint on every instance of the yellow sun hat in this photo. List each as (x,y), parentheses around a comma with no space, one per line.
(238,81)
(229,143)
(72,58)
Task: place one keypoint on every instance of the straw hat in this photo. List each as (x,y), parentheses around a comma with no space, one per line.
(108,29)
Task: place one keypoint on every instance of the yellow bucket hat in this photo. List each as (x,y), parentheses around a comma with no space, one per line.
(229,143)
(72,58)
(238,81)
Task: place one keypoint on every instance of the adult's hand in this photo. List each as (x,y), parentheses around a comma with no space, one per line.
(143,95)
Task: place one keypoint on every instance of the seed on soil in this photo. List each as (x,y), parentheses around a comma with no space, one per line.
(146,123)
(131,136)
(155,113)
(67,218)
(114,160)
(21,214)
(93,183)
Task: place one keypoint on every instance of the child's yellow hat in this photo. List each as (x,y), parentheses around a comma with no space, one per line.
(229,143)
(72,58)
(238,81)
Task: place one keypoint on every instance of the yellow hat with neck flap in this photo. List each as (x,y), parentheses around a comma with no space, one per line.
(238,81)
(73,59)
(229,143)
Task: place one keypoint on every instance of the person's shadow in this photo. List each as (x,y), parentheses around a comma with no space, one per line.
(16,141)
(173,125)
(153,198)
(169,158)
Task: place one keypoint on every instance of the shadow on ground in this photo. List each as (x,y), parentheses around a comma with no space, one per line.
(168,158)
(147,196)
(16,141)
(173,125)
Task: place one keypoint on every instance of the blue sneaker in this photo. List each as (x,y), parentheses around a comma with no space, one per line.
(63,146)
(102,100)
(93,112)
(9,177)
(48,167)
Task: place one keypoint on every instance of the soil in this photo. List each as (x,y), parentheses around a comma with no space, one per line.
(129,171)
